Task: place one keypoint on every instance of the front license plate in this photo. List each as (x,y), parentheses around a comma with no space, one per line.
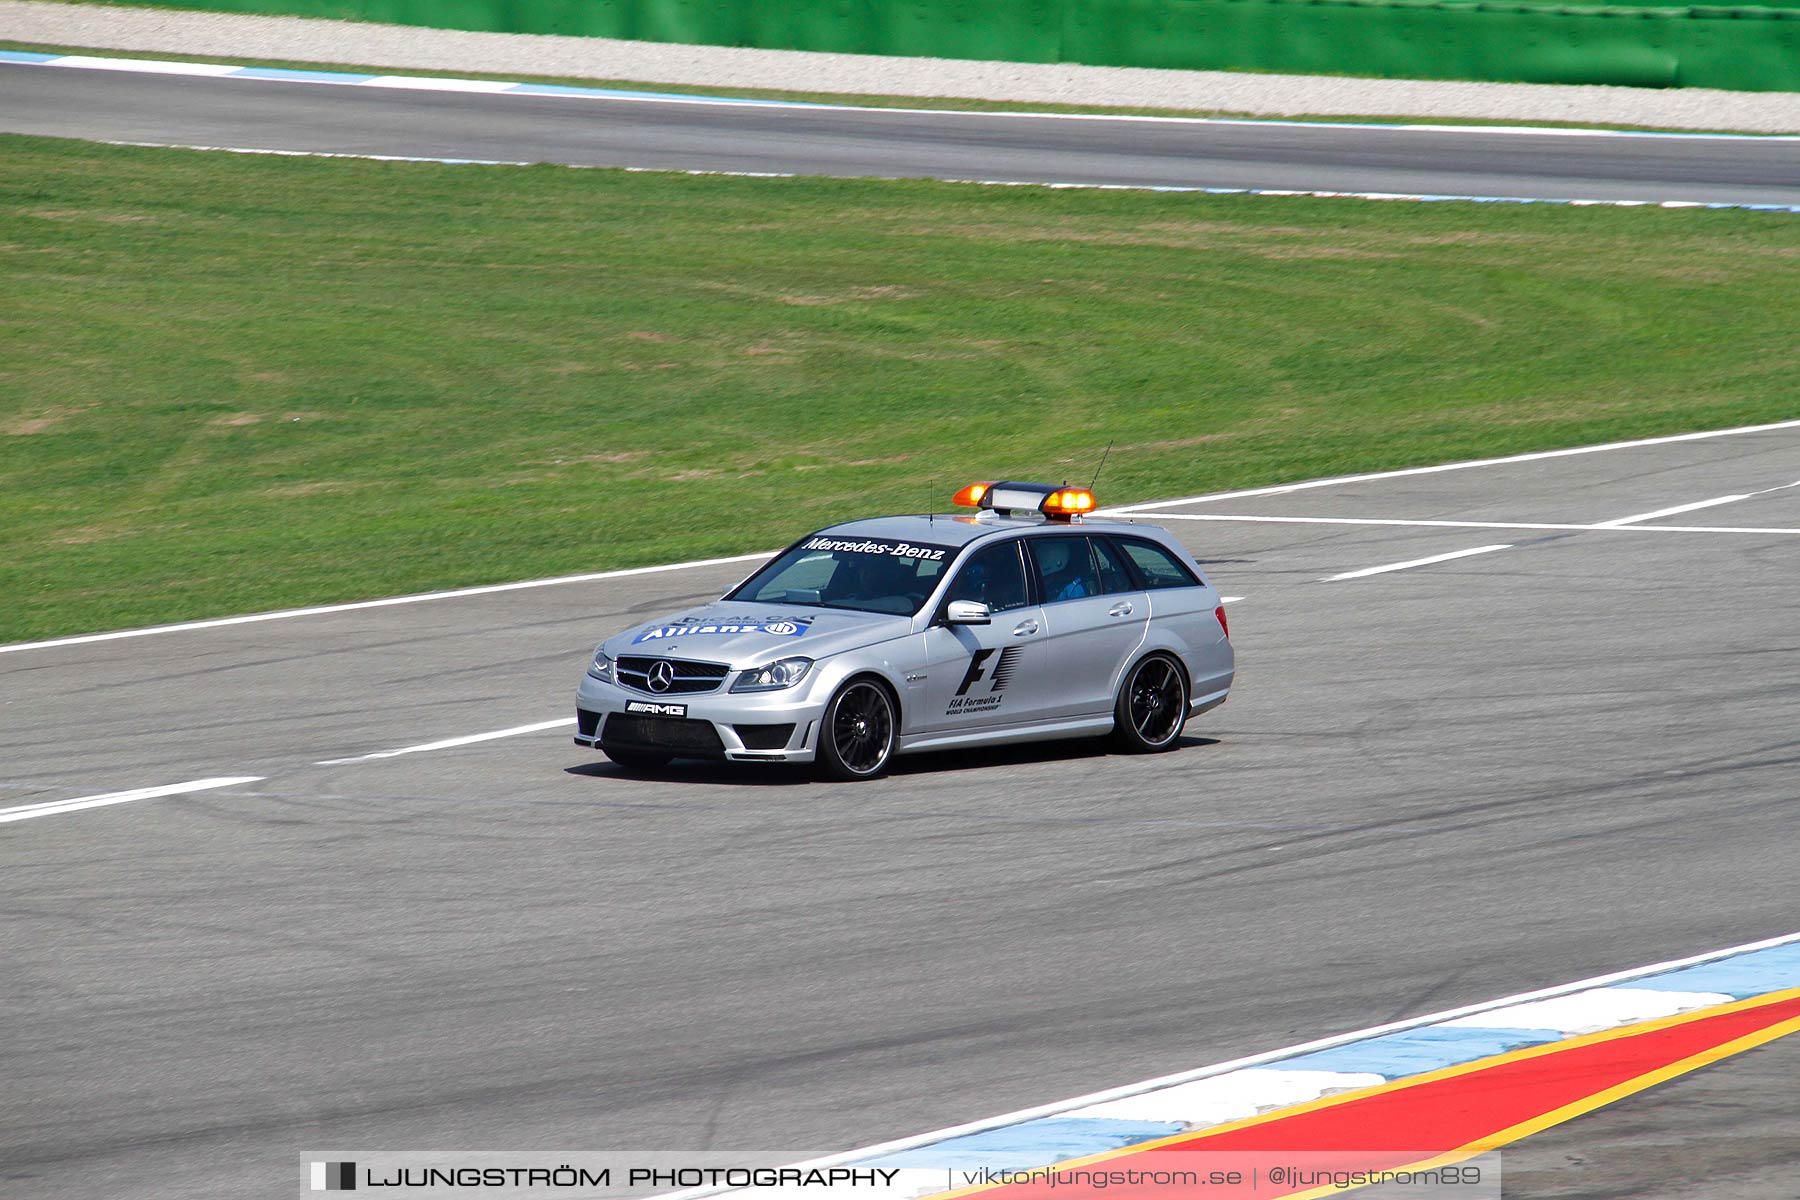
(656,710)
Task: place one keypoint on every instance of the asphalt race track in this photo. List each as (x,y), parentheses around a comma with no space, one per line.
(267,115)
(1433,786)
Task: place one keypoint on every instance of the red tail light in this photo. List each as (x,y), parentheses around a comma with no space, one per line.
(1225,629)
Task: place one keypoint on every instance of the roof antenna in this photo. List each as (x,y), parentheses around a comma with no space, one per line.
(1102,465)
(931,503)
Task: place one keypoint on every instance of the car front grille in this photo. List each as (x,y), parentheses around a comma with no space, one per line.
(669,735)
(690,677)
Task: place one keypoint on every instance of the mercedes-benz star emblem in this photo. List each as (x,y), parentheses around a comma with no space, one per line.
(661,676)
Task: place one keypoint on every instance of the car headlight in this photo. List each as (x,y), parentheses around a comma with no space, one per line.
(601,668)
(784,673)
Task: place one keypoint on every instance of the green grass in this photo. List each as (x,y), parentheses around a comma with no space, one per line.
(848,99)
(234,383)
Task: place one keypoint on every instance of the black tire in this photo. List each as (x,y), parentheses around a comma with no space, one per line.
(637,760)
(856,738)
(1152,706)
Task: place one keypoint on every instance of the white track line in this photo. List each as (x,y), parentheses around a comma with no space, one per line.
(1416,562)
(1621,522)
(1681,508)
(144,66)
(321,610)
(447,743)
(433,83)
(1284,489)
(1256,1060)
(402,158)
(50,808)
(1609,527)
(1124,511)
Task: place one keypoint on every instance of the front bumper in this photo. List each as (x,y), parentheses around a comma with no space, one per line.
(734,726)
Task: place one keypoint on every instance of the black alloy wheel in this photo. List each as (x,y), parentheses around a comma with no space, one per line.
(857,738)
(1152,706)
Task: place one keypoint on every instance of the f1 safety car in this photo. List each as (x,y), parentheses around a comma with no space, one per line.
(897,634)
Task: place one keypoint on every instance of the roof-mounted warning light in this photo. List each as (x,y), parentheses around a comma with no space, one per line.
(1054,502)
(972,496)
(1065,504)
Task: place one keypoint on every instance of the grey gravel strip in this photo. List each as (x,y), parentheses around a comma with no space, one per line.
(398,46)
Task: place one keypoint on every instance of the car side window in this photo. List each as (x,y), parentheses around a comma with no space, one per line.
(1158,567)
(1065,568)
(993,576)
(1113,575)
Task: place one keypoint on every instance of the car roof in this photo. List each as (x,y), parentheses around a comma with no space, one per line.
(960,529)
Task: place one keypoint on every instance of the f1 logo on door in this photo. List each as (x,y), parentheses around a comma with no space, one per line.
(1003,670)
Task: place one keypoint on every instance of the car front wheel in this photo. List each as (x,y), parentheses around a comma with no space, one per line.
(856,739)
(1152,706)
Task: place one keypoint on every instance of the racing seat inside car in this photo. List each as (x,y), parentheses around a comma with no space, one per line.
(1059,569)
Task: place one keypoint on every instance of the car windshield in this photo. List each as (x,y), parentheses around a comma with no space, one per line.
(883,575)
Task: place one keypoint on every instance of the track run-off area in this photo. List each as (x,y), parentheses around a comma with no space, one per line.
(337,876)
(214,106)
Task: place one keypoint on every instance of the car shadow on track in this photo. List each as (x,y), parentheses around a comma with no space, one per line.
(695,771)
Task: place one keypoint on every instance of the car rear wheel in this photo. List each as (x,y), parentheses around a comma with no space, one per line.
(1152,706)
(638,760)
(856,739)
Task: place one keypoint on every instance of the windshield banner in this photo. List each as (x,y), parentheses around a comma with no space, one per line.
(883,547)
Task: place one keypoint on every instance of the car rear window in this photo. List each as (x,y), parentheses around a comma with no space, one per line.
(1158,567)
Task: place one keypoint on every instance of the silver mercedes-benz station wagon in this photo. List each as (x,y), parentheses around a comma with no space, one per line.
(885,636)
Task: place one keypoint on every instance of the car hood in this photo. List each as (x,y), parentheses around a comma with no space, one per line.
(746,635)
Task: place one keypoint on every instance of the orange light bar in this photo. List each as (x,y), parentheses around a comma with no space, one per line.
(970,497)
(1068,502)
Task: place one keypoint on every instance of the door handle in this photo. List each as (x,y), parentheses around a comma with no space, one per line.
(1025,628)
(1121,609)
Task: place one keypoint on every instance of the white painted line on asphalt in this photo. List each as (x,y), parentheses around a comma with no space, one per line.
(1284,489)
(1610,527)
(1254,1060)
(403,158)
(1681,508)
(432,83)
(1401,197)
(1592,1011)
(322,609)
(447,743)
(1416,562)
(1670,512)
(319,610)
(1227,517)
(50,808)
(146,66)
(1230,1097)
(1372,126)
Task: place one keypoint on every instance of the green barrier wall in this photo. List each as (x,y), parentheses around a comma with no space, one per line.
(1751,49)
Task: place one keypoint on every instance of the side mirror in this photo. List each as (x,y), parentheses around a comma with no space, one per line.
(968,612)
